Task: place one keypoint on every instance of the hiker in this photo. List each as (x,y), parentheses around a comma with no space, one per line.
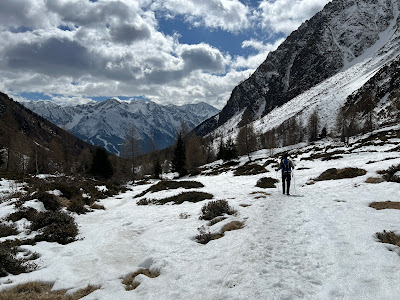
(286,166)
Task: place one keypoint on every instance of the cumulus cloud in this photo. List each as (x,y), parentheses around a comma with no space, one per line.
(229,15)
(287,15)
(253,61)
(80,49)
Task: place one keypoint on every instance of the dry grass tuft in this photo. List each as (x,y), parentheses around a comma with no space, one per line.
(250,169)
(266,182)
(334,174)
(171,185)
(388,237)
(374,180)
(216,220)
(385,205)
(42,291)
(129,280)
(234,225)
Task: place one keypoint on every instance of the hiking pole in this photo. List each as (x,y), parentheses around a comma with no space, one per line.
(276,175)
(294,182)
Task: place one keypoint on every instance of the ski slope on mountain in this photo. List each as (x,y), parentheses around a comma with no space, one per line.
(319,243)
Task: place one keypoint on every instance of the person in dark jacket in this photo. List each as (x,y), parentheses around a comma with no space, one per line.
(287,167)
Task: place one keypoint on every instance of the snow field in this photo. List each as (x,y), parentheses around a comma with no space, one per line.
(318,246)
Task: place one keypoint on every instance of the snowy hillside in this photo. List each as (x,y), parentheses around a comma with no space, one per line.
(106,123)
(329,57)
(320,243)
(328,97)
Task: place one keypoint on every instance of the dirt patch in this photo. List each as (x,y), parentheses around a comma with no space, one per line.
(385,205)
(130,282)
(43,291)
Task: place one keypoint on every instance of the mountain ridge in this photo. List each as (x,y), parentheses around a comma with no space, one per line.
(106,123)
(332,41)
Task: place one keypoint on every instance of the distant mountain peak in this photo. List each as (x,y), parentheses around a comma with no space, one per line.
(106,123)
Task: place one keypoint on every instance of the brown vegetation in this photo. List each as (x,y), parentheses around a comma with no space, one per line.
(334,174)
(43,291)
(266,182)
(129,280)
(385,205)
(388,237)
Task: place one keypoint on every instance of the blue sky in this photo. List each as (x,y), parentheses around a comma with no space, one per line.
(167,51)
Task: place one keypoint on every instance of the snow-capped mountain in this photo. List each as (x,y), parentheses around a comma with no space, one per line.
(106,123)
(329,57)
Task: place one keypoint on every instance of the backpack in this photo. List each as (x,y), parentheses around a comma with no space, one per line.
(286,166)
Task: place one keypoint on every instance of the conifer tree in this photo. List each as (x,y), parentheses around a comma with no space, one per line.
(179,158)
(101,164)
(157,169)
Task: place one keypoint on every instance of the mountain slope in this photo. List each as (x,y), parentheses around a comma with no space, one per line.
(31,141)
(342,35)
(106,123)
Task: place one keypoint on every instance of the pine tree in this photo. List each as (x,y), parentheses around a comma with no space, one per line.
(179,158)
(101,164)
(246,139)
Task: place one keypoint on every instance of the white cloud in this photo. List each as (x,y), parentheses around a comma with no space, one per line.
(229,15)
(254,61)
(287,15)
(81,49)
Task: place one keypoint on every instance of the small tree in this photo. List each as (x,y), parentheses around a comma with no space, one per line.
(179,158)
(157,169)
(246,139)
(101,164)
(313,127)
(227,151)
(130,149)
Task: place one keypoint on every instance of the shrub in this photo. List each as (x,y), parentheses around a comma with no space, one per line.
(266,182)
(333,174)
(390,174)
(215,209)
(388,237)
(56,227)
(10,263)
(49,201)
(7,230)
(250,169)
(143,201)
(28,213)
(185,196)
(77,205)
(206,236)
(129,280)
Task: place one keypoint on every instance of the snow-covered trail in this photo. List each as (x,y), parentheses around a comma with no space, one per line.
(318,246)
